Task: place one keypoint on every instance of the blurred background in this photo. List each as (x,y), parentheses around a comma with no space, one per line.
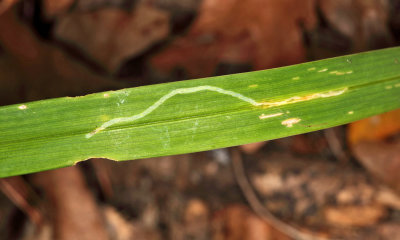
(337,183)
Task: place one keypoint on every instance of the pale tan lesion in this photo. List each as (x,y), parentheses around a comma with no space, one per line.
(263,116)
(290,122)
(22,107)
(297,99)
(338,73)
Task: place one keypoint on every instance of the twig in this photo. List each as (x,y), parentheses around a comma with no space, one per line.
(258,207)
(103,177)
(18,191)
(335,145)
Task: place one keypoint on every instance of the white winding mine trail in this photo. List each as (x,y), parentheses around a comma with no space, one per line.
(212,89)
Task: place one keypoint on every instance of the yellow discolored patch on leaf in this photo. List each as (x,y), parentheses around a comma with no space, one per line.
(297,99)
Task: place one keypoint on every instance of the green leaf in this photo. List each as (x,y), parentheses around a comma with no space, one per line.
(198,115)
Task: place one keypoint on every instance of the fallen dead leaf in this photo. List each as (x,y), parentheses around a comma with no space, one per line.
(6,4)
(33,232)
(342,15)
(390,231)
(10,81)
(112,35)
(381,159)
(365,22)
(196,209)
(374,128)
(265,33)
(301,189)
(122,229)
(53,8)
(252,148)
(73,209)
(350,216)
(389,198)
(196,218)
(44,70)
(238,222)
(308,144)
(88,5)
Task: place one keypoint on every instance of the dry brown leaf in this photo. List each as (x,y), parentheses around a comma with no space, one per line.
(381,159)
(6,4)
(44,71)
(252,148)
(196,218)
(364,21)
(10,81)
(238,222)
(342,15)
(74,211)
(390,231)
(52,8)
(374,128)
(122,229)
(308,144)
(300,189)
(265,33)
(87,5)
(388,197)
(351,216)
(111,35)
(196,209)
